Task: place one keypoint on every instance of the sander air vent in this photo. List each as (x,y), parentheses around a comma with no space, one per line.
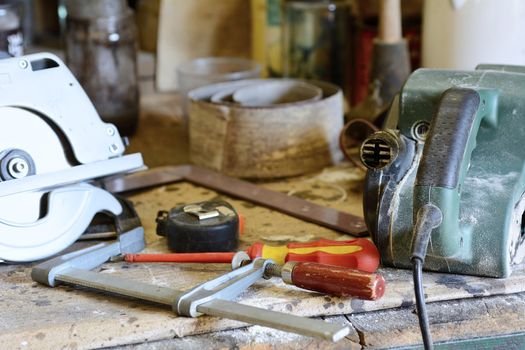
(379,150)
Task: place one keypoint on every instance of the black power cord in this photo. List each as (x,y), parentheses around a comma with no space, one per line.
(417,272)
(428,218)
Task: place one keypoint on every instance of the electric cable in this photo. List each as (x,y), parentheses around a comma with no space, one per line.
(428,218)
(417,272)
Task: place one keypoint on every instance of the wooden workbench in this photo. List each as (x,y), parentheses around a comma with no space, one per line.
(460,307)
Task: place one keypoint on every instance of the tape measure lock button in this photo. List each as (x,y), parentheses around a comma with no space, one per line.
(210,226)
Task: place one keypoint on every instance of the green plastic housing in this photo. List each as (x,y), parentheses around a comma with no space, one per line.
(481,231)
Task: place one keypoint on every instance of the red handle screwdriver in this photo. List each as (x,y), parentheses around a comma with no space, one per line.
(331,280)
(359,253)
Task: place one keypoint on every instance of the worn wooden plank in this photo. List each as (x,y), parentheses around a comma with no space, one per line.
(449,322)
(464,324)
(254,337)
(66,317)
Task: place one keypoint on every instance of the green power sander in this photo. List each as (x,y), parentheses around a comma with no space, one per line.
(446,180)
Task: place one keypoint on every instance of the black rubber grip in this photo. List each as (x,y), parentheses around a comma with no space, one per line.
(428,217)
(447,138)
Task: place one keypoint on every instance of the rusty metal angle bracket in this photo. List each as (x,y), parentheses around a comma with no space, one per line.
(297,207)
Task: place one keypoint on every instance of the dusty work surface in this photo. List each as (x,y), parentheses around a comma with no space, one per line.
(37,317)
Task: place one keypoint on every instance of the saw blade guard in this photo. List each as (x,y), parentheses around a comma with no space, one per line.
(42,84)
(70,211)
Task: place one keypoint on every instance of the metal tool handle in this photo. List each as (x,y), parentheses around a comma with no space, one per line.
(88,258)
(225,287)
(446,158)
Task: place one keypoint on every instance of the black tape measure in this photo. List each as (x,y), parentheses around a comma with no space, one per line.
(211,226)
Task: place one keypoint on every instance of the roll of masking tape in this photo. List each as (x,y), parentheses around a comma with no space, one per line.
(246,129)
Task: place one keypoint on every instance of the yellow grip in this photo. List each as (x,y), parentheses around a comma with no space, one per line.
(279,253)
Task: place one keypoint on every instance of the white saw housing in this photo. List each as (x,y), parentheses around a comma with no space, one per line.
(52,144)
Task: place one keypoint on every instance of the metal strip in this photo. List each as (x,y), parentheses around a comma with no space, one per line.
(284,322)
(121,286)
(290,205)
(72,175)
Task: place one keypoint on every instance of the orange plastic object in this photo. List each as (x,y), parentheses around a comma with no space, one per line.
(360,253)
(181,257)
(241,224)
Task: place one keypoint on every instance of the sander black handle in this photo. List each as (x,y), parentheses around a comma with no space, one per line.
(451,132)
(446,157)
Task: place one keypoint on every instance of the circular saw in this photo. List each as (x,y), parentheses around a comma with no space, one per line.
(53,148)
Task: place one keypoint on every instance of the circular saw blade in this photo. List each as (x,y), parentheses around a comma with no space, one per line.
(22,129)
(27,131)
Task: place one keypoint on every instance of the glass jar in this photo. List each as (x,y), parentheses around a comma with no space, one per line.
(266,36)
(11,37)
(317,40)
(101,51)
